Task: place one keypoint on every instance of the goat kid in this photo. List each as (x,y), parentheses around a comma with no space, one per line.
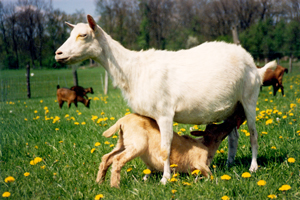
(80,91)
(200,85)
(139,136)
(274,78)
(70,96)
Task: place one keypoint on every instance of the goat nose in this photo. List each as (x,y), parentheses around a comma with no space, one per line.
(58,52)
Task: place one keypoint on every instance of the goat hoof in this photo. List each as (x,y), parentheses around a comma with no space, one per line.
(164,181)
(253,168)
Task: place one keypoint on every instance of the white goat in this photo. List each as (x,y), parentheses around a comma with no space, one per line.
(196,86)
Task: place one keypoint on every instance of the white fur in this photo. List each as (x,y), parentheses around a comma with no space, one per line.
(196,86)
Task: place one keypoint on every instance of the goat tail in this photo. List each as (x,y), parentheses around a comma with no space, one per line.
(57,87)
(270,65)
(113,129)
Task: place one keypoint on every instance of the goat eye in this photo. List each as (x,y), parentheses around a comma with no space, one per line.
(83,35)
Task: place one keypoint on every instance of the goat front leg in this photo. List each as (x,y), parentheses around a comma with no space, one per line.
(166,131)
(233,139)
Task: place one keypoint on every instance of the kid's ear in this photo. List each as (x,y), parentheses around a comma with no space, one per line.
(71,25)
(198,133)
(91,22)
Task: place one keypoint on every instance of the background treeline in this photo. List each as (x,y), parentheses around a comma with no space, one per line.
(31,30)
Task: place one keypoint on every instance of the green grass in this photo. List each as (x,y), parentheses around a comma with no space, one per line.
(70,168)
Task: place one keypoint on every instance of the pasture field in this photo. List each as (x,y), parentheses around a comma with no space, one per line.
(55,154)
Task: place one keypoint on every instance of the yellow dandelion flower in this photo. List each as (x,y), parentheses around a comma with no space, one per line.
(129,169)
(112,118)
(280,137)
(291,160)
(36,147)
(284,117)
(196,171)
(67,115)
(272,196)
(102,113)
(175,175)
(147,171)
(225,177)
(222,151)
(186,183)
(25,119)
(261,182)
(97,144)
(56,129)
(246,175)
(173,180)
(112,145)
(273,147)
(43,167)
(54,174)
(99,196)
(173,191)
(173,165)
(211,177)
(257,109)
(225,197)
(6,194)
(269,121)
(264,132)
(115,137)
(285,188)
(182,129)
(60,142)
(92,150)
(175,124)
(26,174)
(76,123)
(9,179)
(106,142)
(214,166)
(83,123)
(41,101)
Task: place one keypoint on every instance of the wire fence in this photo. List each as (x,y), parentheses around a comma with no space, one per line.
(43,83)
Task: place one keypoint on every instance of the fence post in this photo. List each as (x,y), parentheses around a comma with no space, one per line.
(75,77)
(28,80)
(106,83)
(235,35)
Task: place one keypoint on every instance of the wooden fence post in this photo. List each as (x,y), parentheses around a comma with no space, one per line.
(106,83)
(75,77)
(28,80)
(235,35)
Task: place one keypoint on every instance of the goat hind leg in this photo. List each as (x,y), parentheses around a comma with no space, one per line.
(166,130)
(233,138)
(118,162)
(107,160)
(250,111)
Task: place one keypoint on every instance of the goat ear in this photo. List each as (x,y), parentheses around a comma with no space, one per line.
(198,133)
(71,25)
(91,22)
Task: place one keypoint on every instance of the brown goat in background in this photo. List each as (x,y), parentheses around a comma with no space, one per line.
(80,91)
(70,96)
(274,78)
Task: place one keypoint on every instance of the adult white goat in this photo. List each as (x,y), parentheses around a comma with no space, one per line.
(196,86)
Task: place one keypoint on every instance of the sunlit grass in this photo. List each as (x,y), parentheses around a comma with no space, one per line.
(55,154)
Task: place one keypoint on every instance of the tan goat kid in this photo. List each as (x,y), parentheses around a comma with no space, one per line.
(139,136)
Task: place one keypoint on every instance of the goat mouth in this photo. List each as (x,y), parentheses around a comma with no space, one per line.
(62,60)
